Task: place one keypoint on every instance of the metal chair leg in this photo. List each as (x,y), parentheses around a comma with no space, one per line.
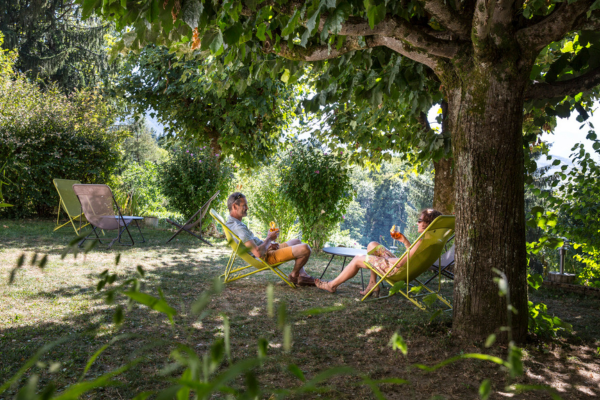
(330,260)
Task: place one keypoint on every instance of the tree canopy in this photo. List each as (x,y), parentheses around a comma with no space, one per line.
(204,104)
(493,60)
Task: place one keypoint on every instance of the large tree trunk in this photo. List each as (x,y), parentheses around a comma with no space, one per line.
(486,108)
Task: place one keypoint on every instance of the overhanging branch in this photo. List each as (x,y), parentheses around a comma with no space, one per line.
(553,28)
(319,53)
(400,47)
(571,87)
(398,28)
(447,17)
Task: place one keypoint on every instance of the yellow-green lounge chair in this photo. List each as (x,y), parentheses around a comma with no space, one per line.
(68,201)
(433,241)
(241,251)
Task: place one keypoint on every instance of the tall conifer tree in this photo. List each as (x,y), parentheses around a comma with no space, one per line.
(53,43)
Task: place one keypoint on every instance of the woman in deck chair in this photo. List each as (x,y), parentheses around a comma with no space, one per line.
(379,257)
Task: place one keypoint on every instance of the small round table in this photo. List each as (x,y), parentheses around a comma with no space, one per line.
(344,252)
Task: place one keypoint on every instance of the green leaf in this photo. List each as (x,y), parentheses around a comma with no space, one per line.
(416,289)
(430,299)
(397,342)
(490,340)
(515,365)
(281,315)
(375,14)
(334,21)
(312,21)
(260,31)
(43,261)
(322,310)
(292,24)
(207,40)
(118,315)
(263,345)
(152,302)
(217,43)
(153,12)
(485,389)
(398,286)
(535,281)
(297,372)
(232,34)
(287,337)
(190,12)
(88,8)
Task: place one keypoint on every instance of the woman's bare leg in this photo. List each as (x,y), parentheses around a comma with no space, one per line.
(373,278)
(348,273)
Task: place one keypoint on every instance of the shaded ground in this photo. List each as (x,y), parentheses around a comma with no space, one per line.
(42,306)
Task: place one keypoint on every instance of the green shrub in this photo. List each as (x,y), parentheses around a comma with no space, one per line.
(138,191)
(46,135)
(191,176)
(317,184)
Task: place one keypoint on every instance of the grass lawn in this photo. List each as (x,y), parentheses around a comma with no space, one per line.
(42,306)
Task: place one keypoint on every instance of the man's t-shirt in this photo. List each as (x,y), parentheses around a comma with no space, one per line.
(242,231)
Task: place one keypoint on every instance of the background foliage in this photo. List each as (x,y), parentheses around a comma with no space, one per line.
(138,191)
(202,105)
(267,202)
(46,135)
(317,184)
(191,176)
(54,45)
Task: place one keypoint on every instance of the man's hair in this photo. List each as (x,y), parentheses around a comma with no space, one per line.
(429,214)
(234,198)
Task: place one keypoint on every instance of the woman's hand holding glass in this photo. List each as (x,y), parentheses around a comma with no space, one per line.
(397,235)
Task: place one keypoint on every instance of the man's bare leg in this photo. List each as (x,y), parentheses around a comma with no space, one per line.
(301,252)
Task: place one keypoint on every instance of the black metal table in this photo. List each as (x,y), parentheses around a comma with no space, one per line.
(344,252)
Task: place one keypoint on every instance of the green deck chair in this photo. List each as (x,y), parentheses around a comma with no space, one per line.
(68,201)
(433,241)
(241,251)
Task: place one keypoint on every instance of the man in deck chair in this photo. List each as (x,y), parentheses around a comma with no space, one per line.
(269,250)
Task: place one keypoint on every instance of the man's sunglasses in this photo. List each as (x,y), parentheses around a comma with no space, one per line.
(419,221)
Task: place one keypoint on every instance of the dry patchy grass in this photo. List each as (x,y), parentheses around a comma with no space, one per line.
(42,306)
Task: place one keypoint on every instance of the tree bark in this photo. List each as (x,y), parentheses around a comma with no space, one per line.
(486,107)
(443,191)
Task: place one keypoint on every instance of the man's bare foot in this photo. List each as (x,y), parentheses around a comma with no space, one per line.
(324,285)
(375,292)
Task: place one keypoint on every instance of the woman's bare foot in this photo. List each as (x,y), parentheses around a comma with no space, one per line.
(324,285)
(375,292)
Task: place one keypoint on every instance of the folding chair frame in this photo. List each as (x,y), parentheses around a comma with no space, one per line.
(228,277)
(183,227)
(442,271)
(414,298)
(61,204)
(232,274)
(125,228)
